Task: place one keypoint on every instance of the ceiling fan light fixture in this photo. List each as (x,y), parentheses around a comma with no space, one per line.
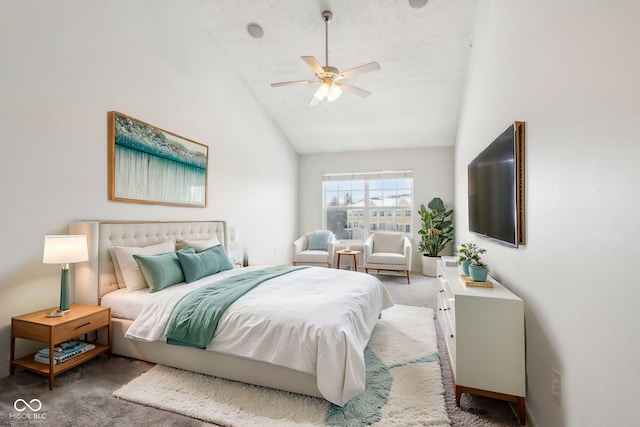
(334,93)
(322,92)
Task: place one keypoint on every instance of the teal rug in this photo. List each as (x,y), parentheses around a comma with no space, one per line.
(404,386)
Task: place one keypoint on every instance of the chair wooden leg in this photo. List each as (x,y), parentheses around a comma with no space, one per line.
(408,277)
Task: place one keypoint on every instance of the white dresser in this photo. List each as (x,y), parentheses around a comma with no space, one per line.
(484,332)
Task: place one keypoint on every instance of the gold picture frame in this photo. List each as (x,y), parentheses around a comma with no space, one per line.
(148,164)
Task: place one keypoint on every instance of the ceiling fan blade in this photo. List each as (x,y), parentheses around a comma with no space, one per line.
(355,90)
(371,66)
(311,61)
(296,82)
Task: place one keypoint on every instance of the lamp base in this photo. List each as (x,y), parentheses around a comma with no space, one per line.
(65,299)
(57,313)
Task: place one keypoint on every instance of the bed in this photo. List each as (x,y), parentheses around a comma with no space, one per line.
(303,331)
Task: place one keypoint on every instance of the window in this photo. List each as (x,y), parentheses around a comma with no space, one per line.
(354,205)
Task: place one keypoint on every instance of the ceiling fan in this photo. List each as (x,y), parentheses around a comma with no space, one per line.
(330,78)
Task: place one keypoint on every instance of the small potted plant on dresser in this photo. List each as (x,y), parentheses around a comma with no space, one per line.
(466,253)
(436,232)
(478,269)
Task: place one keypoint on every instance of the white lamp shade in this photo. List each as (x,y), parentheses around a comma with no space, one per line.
(65,249)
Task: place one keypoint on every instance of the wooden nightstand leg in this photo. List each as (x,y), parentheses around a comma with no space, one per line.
(110,338)
(12,369)
(51,355)
(458,395)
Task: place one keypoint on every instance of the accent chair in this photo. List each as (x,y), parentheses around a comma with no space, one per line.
(388,251)
(314,248)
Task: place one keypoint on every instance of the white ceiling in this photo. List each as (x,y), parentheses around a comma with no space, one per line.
(417,92)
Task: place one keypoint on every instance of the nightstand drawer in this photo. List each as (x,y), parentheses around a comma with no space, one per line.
(80,326)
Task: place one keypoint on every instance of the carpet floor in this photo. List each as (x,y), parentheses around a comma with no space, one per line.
(83,395)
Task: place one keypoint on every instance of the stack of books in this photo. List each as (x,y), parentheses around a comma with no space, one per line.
(63,352)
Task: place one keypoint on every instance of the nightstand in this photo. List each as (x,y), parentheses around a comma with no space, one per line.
(81,320)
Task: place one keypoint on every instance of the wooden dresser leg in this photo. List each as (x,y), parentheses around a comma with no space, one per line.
(522,413)
(458,395)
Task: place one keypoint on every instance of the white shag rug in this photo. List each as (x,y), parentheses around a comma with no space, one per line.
(404,386)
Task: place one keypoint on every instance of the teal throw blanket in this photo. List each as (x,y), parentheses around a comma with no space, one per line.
(195,318)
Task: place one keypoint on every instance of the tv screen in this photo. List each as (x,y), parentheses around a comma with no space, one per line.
(494,184)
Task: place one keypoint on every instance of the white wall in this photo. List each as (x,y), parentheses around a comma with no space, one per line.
(65,65)
(432,177)
(570,71)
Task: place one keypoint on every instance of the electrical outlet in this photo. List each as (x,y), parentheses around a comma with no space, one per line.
(556,386)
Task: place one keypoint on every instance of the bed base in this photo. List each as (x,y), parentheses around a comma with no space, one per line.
(211,363)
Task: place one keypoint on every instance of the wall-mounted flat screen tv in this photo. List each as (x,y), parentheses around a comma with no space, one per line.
(496,189)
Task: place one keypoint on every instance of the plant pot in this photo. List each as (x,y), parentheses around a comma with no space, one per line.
(478,274)
(429,265)
(465,267)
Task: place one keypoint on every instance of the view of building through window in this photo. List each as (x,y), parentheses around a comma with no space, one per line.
(356,204)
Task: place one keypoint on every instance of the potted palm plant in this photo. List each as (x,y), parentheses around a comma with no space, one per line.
(436,232)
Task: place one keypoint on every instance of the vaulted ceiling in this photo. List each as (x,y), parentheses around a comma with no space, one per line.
(416,95)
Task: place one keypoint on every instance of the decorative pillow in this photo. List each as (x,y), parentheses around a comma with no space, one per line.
(210,261)
(162,270)
(199,245)
(319,240)
(129,270)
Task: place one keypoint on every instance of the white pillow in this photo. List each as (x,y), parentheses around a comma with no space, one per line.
(129,270)
(199,245)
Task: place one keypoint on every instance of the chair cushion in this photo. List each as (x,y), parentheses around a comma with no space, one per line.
(386,258)
(319,240)
(388,242)
(312,256)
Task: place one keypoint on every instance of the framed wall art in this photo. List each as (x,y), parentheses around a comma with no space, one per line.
(151,165)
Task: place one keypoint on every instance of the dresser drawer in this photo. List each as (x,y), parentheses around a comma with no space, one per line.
(81,326)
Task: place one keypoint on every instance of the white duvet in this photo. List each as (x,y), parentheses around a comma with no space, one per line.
(315,320)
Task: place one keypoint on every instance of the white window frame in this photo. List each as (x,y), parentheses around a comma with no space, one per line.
(370,215)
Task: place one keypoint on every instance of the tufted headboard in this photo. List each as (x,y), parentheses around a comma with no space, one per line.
(96,277)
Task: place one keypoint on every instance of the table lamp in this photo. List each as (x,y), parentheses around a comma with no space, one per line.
(64,250)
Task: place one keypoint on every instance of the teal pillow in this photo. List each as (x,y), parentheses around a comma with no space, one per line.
(319,240)
(162,270)
(210,261)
